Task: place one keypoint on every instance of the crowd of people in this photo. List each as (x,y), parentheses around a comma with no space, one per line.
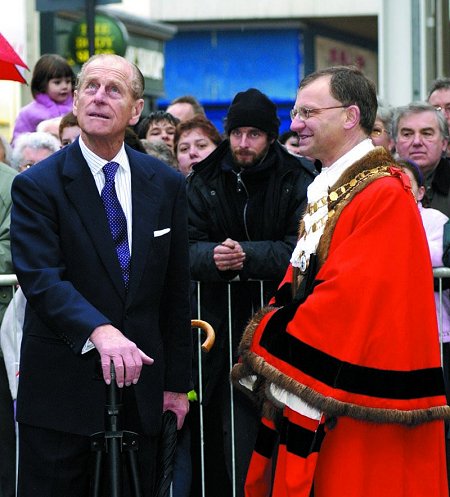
(299,249)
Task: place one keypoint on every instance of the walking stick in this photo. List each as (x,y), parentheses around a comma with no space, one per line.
(168,438)
(114,442)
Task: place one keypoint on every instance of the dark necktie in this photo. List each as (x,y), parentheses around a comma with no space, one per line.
(116,219)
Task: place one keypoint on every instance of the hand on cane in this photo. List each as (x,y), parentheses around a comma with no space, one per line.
(128,359)
(178,403)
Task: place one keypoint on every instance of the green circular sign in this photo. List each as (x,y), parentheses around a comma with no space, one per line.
(110,37)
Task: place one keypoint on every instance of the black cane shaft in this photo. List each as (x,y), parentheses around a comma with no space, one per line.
(114,450)
(115,467)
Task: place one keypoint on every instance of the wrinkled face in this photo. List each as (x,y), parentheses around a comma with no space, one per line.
(248,145)
(380,135)
(419,139)
(58,89)
(31,156)
(322,133)
(104,104)
(193,146)
(441,98)
(69,135)
(161,131)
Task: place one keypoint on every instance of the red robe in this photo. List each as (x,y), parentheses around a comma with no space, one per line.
(363,347)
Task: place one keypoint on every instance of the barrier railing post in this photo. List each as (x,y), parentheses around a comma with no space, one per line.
(441,273)
(232,432)
(200,393)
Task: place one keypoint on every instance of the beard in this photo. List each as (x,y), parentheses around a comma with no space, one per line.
(244,157)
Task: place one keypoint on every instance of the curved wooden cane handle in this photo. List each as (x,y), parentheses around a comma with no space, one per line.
(208,329)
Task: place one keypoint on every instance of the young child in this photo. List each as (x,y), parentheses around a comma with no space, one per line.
(433,222)
(51,85)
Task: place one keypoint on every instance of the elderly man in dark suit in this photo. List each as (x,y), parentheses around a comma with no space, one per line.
(99,241)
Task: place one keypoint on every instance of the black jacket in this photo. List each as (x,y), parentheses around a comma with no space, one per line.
(259,207)
(438,187)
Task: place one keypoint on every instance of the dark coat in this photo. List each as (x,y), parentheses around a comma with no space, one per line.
(438,187)
(260,208)
(66,263)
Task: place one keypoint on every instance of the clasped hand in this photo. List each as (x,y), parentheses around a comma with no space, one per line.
(229,256)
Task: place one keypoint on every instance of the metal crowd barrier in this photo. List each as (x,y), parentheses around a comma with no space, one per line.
(230,364)
(440,274)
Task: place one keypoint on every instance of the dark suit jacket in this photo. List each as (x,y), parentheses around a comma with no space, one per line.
(66,263)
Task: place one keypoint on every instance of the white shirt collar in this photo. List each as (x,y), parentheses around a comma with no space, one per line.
(96,163)
(329,175)
(317,190)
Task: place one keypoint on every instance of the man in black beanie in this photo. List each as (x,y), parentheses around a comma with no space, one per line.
(244,204)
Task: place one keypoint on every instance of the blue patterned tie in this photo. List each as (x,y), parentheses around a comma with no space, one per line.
(116,219)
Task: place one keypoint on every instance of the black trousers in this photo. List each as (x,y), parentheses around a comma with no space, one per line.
(7,437)
(56,464)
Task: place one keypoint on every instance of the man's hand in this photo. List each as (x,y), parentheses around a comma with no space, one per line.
(178,403)
(229,256)
(128,360)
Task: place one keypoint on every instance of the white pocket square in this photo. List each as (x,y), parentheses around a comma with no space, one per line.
(161,232)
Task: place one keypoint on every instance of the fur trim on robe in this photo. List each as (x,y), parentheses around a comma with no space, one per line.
(359,345)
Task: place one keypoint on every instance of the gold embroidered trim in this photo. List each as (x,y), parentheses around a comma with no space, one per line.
(332,200)
(343,191)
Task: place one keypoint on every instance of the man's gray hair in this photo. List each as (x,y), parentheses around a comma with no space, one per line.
(417,108)
(37,140)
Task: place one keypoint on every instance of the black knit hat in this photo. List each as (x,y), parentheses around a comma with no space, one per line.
(252,108)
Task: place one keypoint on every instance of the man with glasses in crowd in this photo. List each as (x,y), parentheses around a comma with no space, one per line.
(439,96)
(381,131)
(349,367)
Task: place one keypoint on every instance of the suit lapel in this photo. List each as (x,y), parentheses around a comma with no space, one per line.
(146,201)
(82,192)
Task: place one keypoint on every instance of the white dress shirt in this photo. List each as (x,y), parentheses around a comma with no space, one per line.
(122,180)
(320,188)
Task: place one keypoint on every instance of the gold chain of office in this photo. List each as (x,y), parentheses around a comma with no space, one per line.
(342,193)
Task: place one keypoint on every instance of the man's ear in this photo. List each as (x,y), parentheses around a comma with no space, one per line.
(136,111)
(352,116)
(75,103)
(420,193)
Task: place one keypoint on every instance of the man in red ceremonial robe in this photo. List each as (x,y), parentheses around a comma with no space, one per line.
(347,365)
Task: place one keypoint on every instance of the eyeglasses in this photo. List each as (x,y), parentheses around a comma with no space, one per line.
(27,165)
(376,132)
(445,109)
(304,113)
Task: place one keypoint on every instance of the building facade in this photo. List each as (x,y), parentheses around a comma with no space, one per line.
(214,49)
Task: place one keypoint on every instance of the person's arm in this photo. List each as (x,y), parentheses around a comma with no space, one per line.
(264,259)
(175,313)
(5,219)
(23,123)
(41,268)
(201,248)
